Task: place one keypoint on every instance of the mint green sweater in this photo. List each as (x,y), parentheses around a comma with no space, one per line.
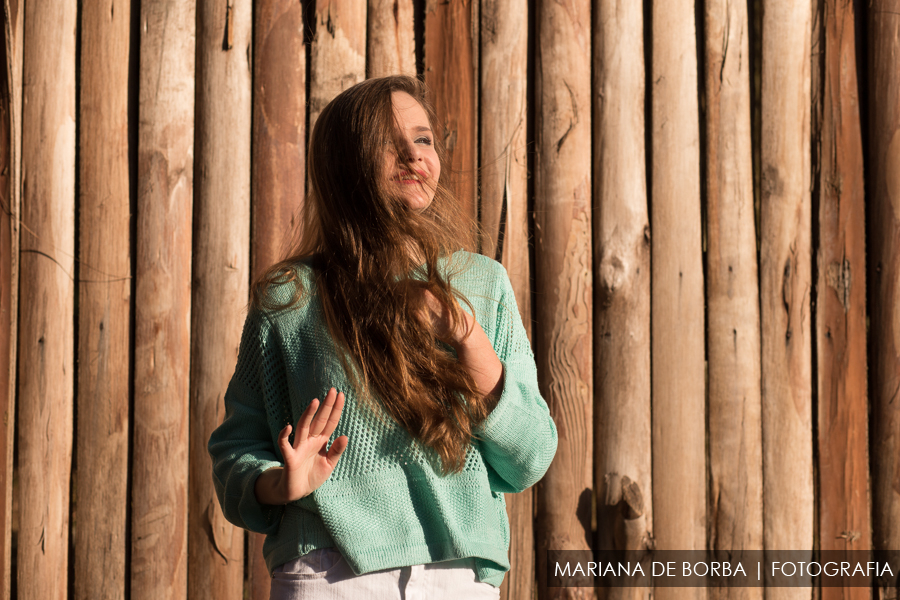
(386,504)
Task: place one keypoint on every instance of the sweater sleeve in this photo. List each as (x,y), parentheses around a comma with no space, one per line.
(518,439)
(242,447)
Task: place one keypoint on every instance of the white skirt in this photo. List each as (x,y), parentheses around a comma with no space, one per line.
(324,574)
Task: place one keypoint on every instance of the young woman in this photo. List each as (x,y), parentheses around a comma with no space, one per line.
(393,485)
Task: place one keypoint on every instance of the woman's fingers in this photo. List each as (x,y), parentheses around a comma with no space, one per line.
(337,448)
(335,416)
(320,420)
(284,440)
(304,423)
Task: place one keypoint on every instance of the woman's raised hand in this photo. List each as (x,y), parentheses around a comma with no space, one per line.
(437,314)
(307,463)
(473,348)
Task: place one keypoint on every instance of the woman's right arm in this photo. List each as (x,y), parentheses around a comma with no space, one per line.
(242,447)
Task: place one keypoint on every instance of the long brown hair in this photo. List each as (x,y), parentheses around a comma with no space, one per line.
(372,256)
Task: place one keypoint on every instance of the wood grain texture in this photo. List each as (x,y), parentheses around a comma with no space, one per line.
(883,244)
(843,453)
(504,162)
(104,302)
(278,177)
(46,320)
(9,283)
(785,282)
(163,301)
(622,430)
(390,38)
(338,58)
(221,272)
(732,293)
(451,71)
(279,128)
(10,210)
(504,208)
(563,336)
(677,344)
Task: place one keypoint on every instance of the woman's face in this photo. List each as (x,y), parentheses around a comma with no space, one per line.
(415,172)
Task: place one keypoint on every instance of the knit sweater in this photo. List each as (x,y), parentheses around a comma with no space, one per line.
(386,504)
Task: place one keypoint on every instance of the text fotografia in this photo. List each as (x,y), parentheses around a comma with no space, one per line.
(755,568)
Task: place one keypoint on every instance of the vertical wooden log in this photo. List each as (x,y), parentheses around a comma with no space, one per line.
(504,161)
(622,429)
(163,301)
(10,199)
(883,237)
(785,280)
(390,38)
(46,320)
(504,212)
(732,294)
(677,344)
(338,58)
(844,516)
(563,277)
(279,126)
(104,301)
(451,72)
(221,273)
(9,248)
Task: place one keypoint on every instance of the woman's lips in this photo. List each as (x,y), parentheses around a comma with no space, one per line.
(418,177)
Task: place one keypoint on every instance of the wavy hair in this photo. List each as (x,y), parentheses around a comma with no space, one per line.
(372,257)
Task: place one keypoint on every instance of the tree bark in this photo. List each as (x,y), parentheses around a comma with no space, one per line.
(338,58)
(785,282)
(622,468)
(451,71)
(46,326)
(390,38)
(504,214)
(677,345)
(732,290)
(163,301)
(104,301)
(883,237)
(563,334)
(279,148)
(844,515)
(220,277)
(10,199)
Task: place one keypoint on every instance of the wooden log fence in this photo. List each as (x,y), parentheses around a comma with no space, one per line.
(840,327)
(219,281)
(104,302)
(699,219)
(10,199)
(623,481)
(46,353)
(883,270)
(562,307)
(162,306)
(785,256)
(676,302)
(735,507)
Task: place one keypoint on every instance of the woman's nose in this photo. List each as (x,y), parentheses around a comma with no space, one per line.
(409,151)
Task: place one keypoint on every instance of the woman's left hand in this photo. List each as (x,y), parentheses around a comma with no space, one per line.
(473,348)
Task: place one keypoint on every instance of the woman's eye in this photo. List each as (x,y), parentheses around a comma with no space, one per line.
(424,140)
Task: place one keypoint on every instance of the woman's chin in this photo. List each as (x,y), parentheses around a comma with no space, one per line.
(416,201)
